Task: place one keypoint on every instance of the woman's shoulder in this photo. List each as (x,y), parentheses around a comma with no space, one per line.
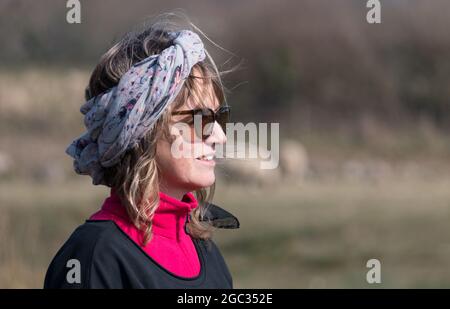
(78,258)
(90,235)
(214,257)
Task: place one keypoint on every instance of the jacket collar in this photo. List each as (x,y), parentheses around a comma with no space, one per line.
(171,215)
(219,217)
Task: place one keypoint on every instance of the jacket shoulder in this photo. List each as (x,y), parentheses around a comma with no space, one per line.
(72,265)
(215,256)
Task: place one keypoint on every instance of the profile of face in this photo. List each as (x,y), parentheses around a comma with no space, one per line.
(181,174)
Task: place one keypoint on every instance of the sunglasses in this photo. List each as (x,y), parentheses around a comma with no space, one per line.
(208,117)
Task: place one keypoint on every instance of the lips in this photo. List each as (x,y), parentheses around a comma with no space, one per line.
(208,157)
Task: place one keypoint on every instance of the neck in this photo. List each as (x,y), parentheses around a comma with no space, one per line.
(172,191)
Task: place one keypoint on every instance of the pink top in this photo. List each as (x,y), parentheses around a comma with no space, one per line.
(170,246)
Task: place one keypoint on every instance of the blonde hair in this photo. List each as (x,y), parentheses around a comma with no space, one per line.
(136,178)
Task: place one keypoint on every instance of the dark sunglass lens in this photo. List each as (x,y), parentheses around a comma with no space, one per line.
(208,122)
(205,118)
(223,116)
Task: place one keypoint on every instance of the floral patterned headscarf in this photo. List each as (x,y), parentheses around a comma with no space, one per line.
(117,119)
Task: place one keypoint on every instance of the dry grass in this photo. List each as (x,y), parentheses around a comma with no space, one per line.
(314,235)
(322,234)
(318,234)
(41,100)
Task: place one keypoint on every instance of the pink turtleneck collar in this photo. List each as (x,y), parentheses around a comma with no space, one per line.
(171,246)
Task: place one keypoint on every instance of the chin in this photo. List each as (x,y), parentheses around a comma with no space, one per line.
(204,182)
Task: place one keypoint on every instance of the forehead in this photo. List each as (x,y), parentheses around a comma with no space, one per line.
(201,93)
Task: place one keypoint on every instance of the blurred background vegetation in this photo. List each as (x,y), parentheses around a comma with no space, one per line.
(365,110)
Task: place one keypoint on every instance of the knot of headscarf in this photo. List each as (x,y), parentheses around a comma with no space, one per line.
(117,119)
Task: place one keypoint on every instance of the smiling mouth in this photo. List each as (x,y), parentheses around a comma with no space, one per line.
(206,158)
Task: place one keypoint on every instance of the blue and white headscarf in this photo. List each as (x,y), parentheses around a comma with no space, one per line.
(117,119)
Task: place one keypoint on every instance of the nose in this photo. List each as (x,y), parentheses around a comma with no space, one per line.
(217,136)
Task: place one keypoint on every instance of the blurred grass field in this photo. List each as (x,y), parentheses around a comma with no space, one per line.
(316,233)
(313,235)
(369,103)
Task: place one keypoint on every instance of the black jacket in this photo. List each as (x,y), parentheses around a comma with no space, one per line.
(100,255)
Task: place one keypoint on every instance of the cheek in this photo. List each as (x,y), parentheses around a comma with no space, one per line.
(197,173)
(186,171)
(169,165)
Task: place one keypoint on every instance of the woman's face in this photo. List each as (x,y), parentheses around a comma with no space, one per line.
(191,171)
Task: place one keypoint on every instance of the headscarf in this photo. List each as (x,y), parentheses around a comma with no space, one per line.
(117,119)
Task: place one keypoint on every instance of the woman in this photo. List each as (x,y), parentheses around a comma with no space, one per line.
(152,231)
